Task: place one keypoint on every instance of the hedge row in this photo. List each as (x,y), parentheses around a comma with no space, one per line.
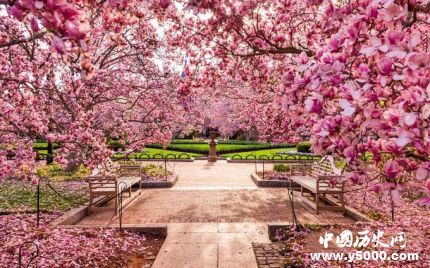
(44,146)
(304,147)
(238,142)
(221,148)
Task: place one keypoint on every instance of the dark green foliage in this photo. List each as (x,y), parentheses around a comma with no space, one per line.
(153,170)
(281,168)
(187,141)
(116,145)
(304,147)
(44,146)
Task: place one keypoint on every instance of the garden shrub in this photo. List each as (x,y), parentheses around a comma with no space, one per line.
(116,145)
(57,173)
(281,168)
(153,170)
(304,147)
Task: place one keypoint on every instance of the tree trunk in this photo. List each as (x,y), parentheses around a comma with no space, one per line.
(50,155)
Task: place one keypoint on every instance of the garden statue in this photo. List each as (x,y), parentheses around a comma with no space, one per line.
(212,147)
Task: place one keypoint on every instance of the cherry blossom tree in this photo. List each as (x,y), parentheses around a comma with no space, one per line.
(351,75)
(366,91)
(80,91)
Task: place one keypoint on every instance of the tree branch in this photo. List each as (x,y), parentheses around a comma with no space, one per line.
(24,40)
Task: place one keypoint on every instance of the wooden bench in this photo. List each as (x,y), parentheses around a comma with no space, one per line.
(110,187)
(130,171)
(323,178)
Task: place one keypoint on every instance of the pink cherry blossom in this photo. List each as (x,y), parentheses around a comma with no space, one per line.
(165,3)
(385,66)
(422,173)
(417,60)
(392,169)
(34,25)
(58,45)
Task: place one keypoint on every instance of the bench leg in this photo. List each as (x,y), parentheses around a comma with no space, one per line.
(90,205)
(342,203)
(116,204)
(129,192)
(317,200)
(301,190)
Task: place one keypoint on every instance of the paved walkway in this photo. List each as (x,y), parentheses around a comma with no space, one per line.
(213,214)
(203,175)
(211,245)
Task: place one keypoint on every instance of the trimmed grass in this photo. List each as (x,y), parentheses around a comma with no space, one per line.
(21,196)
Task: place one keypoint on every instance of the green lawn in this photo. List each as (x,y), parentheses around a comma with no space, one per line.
(21,196)
(222,148)
(17,195)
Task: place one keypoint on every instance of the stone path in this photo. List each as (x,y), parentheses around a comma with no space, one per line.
(211,245)
(213,176)
(213,214)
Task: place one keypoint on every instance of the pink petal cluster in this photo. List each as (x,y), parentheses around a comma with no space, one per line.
(66,247)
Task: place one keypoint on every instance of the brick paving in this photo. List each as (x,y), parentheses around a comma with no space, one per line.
(214,192)
(268,255)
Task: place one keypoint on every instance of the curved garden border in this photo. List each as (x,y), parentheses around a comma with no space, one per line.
(287,158)
(183,157)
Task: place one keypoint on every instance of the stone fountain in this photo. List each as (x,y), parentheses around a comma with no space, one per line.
(212,147)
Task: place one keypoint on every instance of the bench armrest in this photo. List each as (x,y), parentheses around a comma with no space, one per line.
(329,176)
